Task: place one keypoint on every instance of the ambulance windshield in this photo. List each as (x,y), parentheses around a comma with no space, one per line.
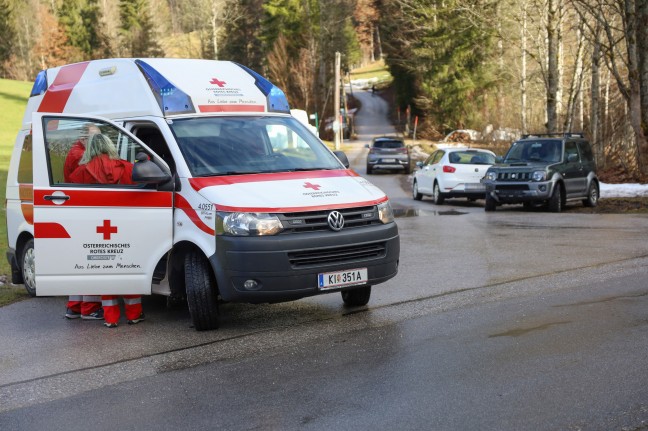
(244,145)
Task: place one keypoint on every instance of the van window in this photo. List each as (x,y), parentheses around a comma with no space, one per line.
(26,165)
(74,143)
(243,145)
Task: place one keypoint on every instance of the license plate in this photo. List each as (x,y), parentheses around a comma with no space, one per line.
(474,187)
(350,277)
(389,160)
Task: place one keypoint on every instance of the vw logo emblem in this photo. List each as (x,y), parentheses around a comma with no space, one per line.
(335,220)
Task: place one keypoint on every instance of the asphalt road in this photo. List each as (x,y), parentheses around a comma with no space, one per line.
(509,320)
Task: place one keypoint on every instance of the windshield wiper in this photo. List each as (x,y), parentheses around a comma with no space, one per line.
(308,169)
(220,174)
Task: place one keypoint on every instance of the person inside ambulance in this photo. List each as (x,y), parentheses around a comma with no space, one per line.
(77,150)
(100,164)
(86,307)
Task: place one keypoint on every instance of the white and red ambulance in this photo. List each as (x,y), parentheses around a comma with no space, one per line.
(232,198)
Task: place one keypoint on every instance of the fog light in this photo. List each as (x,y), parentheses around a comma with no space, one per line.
(543,188)
(251,285)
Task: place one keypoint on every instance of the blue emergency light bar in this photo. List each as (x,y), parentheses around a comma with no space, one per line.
(277,101)
(171,99)
(40,84)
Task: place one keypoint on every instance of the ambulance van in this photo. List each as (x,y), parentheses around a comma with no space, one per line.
(231,198)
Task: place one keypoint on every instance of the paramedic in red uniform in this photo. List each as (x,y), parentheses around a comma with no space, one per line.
(87,307)
(101,164)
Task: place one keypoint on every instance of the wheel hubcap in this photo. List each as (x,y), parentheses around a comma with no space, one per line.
(29,268)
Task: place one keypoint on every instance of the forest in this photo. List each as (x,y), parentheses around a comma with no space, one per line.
(502,67)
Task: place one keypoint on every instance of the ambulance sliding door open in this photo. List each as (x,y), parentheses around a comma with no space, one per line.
(93,238)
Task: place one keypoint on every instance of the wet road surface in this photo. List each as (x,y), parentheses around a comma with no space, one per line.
(504,320)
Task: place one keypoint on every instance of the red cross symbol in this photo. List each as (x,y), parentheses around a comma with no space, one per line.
(217,82)
(312,186)
(106,229)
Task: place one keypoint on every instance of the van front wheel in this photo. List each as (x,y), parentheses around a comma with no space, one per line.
(356,297)
(202,295)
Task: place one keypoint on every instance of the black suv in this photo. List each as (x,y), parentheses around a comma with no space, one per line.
(551,169)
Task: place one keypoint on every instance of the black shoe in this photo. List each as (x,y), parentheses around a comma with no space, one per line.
(136,320)
(97,315)
(110,325)
(71,314)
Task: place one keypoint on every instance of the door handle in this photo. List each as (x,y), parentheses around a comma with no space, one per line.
(56,197)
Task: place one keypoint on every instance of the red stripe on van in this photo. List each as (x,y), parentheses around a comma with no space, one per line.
(108,198)
(50,230)
(58,93)
(200,183)
(300,209)
(184,205)
(232,108)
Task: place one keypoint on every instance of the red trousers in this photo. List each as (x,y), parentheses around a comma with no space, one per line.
(132,304)
(86,304)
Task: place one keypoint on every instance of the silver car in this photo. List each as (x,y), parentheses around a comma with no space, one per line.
(388,152)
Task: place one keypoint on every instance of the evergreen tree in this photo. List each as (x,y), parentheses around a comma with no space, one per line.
(137,30)
(7,32)
(438,52)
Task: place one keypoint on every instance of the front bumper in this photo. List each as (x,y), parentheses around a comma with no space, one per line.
(286,267)
(517,192)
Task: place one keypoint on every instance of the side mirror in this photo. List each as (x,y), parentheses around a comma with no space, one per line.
(342,157)
(419,164)
(147,172)
(499,159)
(366,145)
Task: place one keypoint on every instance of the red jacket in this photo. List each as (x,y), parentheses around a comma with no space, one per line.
(72,160)
(103,170)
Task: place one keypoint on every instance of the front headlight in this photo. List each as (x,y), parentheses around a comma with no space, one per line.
(539,176)
(247,224)
(385,213)
(492,176)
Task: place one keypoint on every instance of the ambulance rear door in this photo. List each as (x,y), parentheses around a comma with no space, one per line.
(93,238)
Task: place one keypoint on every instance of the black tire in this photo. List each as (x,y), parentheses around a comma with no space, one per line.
(28,267)
(415,193)
(437,196)
(490,204)
(369,170)
(356,297)
(202,294)
(555,203)
(592,195)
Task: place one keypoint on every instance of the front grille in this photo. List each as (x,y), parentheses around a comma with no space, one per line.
(313,221)
(514,176)
(326,256)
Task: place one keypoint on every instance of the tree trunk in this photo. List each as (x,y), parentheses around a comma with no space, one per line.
(642,47)
(634,85)
(523,69)
(595,93)
(552,66)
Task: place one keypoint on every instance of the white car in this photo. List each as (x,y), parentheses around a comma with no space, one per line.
(452,173)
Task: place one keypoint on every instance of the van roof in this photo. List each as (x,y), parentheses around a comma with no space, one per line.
(165,87)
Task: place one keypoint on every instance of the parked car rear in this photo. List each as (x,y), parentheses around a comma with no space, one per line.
(452,173)
(388,152)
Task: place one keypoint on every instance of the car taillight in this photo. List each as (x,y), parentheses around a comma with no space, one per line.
(449,169)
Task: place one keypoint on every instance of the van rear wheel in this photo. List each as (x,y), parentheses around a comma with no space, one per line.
(356,297)
(28,267)
(202,295)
